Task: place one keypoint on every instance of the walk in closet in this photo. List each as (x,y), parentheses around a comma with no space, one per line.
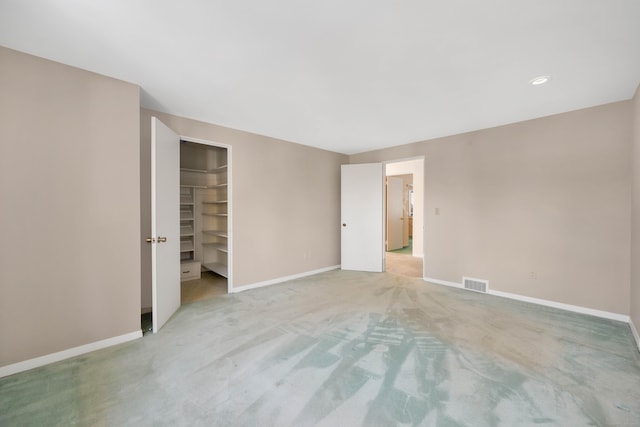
(204,213)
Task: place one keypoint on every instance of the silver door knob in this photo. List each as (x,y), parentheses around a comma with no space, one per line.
(150,240)
(162,239)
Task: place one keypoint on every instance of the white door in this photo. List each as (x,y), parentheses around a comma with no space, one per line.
(165,222)
(362,217)
(395,213)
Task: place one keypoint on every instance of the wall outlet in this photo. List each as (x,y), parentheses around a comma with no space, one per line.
(533,275)
(437,211)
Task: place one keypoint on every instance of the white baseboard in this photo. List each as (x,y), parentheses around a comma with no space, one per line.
(562,306)
(443,282)
(634,331)
(66,354)
(554,304)
(282,279)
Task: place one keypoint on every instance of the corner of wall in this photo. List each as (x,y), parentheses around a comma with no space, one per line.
(635,333)
(634,288)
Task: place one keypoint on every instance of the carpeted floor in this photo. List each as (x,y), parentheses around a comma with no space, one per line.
(403,265)
(346,349)
(208,286)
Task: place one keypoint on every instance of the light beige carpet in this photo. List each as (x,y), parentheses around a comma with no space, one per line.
(346,349)
(403,264)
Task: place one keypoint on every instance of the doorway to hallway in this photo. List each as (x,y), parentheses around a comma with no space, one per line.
(404,217)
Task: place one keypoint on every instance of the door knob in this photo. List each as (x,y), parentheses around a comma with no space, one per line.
(162,239)
(150,240)
(344,225)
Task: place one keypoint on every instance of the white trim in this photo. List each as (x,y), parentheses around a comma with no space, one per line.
(283,279)
(230,251)
(562,306)
(154,279)
(66,354)
(634,331)
(419,208)
(443,282)
(204,141)
(403,159)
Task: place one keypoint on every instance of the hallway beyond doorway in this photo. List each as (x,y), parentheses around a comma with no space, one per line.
(407,250)
(403,263)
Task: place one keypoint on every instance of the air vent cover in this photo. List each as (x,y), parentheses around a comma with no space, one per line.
(477,285)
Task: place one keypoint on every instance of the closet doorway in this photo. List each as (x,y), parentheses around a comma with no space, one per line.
(187,231)
(205,219)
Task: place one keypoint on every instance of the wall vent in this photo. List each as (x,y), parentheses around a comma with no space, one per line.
(477,285)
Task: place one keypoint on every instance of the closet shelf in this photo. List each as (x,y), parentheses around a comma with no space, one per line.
(219,233)
(186,198)
(215,202)
(218,246)
(204,187)
(192,186)
(193,170)
(218,169)
(186,246)
(187,227)
(217,267)
(215,214)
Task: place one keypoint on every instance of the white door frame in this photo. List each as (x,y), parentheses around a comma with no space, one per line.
(419,192)
(229,202)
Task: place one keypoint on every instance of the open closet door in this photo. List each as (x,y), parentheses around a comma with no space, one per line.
(165,222)
(362,204)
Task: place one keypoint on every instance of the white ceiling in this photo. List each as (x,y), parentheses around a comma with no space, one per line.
(345,75)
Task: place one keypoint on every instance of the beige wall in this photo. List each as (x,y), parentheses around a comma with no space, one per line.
(539,208)
(548,196)
(286,201)
(69,171)
(635,218)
